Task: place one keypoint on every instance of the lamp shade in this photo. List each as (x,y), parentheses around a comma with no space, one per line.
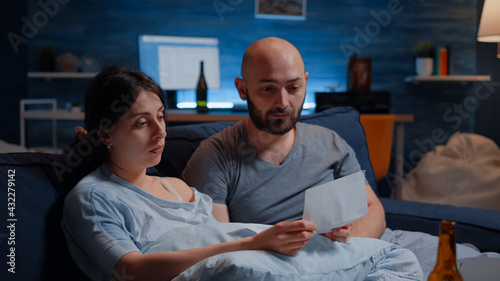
(489,27)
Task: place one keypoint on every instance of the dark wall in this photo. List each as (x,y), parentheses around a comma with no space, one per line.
(487,113)
(13,61)
(386,31)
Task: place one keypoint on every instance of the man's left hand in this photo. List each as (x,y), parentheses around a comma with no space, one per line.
(340,234)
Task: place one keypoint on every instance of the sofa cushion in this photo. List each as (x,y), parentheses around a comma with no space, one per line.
(345,122)
(479,227)
(38,193)
(183,140)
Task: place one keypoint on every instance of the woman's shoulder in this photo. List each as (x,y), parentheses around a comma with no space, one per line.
(181,187)
(90,185)
(176,182)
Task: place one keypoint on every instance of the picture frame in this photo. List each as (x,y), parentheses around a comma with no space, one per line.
(281,9)
(359,74)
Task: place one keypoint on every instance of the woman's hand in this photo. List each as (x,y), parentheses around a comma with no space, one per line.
(286,238)
(340,234)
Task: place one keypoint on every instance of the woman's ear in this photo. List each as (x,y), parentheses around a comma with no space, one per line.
(241,87)
(105,137)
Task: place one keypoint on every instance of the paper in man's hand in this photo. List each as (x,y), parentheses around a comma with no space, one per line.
(336,203)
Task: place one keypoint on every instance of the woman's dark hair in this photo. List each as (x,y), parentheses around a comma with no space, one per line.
(109,96)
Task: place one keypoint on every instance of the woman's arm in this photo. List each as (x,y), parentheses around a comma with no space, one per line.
(285,237)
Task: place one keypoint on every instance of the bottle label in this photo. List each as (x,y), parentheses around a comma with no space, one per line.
(201,103)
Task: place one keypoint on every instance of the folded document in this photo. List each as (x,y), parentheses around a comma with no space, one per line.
(336,203)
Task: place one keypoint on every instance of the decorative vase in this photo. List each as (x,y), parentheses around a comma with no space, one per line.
(424,66)
(67,62)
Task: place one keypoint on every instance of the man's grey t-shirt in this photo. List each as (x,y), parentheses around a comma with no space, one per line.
(229,170)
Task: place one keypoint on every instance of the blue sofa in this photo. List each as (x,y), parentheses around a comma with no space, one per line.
(32,243)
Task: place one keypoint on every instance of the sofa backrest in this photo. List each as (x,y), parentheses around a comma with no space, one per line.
(35,184)
(182,141)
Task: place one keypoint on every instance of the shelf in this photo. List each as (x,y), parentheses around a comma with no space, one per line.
(447,78)
(58,114)
(50,75)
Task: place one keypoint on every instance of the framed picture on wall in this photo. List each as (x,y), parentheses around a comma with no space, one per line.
(359,74)
(281,9)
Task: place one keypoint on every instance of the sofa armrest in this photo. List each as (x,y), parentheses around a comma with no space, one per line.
(479,227)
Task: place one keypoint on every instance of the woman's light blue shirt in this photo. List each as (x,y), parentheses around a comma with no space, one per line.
(106,217)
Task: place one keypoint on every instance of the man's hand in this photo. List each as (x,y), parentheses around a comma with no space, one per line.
(340,234)
(286,238)
(371,225)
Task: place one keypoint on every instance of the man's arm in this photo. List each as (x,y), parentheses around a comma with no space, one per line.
(220,212)
(372,225)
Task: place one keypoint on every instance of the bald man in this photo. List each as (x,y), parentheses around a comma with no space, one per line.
(258,170)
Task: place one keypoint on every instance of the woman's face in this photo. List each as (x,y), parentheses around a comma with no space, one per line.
(137,139)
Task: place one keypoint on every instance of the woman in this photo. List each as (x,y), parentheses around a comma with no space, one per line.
(117,210)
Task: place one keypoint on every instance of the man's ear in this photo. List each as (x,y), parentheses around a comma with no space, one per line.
(241,87)
(306,74)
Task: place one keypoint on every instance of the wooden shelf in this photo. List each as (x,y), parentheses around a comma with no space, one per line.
(447,78)
(50,75)
(58,114)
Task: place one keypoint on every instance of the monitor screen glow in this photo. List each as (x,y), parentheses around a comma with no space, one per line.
(174,61)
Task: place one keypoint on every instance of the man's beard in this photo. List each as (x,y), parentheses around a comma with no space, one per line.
(278,126)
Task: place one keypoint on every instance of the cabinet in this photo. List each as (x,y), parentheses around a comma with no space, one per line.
(53,113)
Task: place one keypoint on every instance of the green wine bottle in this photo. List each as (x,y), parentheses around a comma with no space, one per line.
(201,92)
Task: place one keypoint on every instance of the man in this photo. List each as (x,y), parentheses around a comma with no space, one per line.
(258,170)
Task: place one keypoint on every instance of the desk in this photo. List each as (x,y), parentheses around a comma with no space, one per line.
(177,115)
(191,115)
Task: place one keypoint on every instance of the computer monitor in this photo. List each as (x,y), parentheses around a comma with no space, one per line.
(174,61)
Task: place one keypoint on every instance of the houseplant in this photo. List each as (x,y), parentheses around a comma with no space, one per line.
(424,58)
(46,57)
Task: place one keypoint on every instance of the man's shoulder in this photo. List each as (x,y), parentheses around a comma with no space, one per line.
(314,135)
(225,142)
(314,129)
(229,134)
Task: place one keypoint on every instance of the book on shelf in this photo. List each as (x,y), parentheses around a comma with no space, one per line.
(442,60)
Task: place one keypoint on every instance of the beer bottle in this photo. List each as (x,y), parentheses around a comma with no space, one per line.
(446,264)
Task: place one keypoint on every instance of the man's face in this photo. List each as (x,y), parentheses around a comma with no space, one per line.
(277,121)
(275,91)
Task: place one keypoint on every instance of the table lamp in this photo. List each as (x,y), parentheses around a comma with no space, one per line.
(489,26)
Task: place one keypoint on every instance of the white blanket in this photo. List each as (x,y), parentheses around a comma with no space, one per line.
(320,259)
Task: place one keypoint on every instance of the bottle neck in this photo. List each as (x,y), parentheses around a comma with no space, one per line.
(447,255)
(202,83)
